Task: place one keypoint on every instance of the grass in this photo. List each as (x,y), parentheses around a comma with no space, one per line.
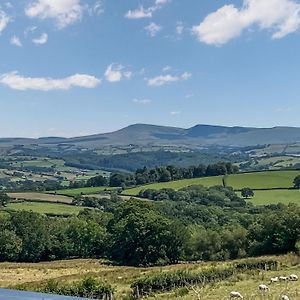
(255,180)
(275,197)
(40,197)
(46,208)
(121,277)
(79,191)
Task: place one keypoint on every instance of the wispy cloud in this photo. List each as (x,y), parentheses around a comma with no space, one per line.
(175,113)
(43,39)
(167,79)
(283,109)
(8,5)
(282,17)
(142,101)
(19,82)
(142,13)
(179,28)
(96,8)
(186,75)
(189,96)
(4,20)
(16,41)
(162,80)
(152,29)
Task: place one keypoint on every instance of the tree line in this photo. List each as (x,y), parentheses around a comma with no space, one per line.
(170,173)
(157,174)
(191,224)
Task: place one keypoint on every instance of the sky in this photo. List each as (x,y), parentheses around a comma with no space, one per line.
(78,67)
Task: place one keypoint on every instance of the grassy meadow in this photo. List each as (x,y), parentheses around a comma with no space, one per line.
(81,191)
(255,180)
(275,197)
(41,197)
(34,275)
(45,208)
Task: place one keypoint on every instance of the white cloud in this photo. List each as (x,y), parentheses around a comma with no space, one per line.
(141,101)
(4,20)
(43,39)
(127,74)
(96,8)
(186,75)
(152,29)
(189,96)
(30,29)
(19,82)
(179,28)
(161,2)
(166,68)
(162,80)
(16,41)
(141,12)
(174,113)
(166,79)
(64,12)
(282,17)
(115,73)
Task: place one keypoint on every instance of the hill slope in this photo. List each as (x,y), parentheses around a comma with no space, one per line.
(197,136)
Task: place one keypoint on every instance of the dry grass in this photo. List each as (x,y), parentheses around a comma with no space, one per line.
(35,274)
(40,197)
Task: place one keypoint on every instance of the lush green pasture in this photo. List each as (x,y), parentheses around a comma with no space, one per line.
(275,197)
(256,180)
(46,208)
(176,185)
(263,180)
(83,191)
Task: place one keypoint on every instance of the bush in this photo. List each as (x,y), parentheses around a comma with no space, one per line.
(179,279)
(89,287)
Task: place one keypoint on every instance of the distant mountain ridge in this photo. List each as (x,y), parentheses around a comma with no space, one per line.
(196,136)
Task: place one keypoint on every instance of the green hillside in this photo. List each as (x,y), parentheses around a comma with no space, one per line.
(256,180)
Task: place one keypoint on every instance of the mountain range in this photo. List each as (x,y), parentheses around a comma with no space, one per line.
(196,136)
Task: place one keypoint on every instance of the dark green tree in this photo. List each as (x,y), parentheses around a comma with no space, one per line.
(247,192)
(297,182)
(141,236)
(4,199)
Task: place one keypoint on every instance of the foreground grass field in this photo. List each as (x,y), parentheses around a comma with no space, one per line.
(34,275)
(46,208)
(256,180)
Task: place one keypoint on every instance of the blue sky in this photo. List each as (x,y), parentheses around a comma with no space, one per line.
(74,67)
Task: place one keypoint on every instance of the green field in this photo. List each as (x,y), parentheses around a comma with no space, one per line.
(81,191)
(44,162)
(46,208)
(275,197)
(256,180)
